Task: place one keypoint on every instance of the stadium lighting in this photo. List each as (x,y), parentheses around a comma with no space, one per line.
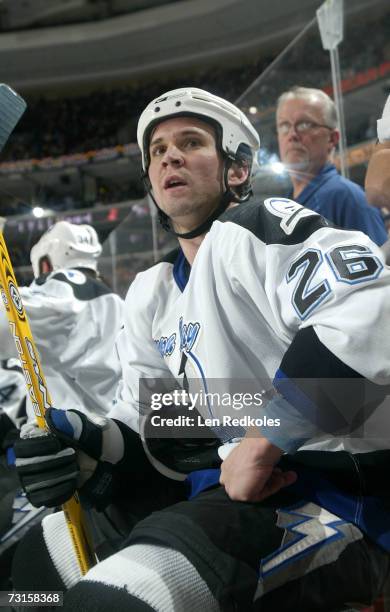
(38,211)
(253,110)
(278,168)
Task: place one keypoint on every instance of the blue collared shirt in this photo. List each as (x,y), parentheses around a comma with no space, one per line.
(343,203)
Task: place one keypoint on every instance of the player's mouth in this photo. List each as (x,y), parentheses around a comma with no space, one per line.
(174,183)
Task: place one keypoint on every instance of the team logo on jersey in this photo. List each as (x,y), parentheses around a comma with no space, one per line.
(188,333)
(289,211)
(312,536)
(166,345)
(15,297)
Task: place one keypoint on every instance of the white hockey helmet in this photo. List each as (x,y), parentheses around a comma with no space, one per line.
(67,245)
(234,127)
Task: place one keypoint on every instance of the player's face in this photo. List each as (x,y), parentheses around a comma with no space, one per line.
(306,150)
(185,171)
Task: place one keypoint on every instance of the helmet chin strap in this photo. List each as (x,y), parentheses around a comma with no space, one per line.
(227,197)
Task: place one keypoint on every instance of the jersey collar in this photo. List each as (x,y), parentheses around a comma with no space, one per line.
(181,270)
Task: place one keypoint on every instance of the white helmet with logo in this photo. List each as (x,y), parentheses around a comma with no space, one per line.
(67,245)
(234,127)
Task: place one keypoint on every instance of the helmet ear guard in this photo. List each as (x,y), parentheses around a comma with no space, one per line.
(66,245)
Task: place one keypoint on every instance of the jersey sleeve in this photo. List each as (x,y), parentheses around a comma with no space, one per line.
(337,283)
(336,294)
(328,291)
(313,275)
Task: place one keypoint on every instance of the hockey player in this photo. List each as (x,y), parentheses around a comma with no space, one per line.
(74,317)
(254,292)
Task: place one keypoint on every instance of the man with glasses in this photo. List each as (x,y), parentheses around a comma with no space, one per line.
(306,124)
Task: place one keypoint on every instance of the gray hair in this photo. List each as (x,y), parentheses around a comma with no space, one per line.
(310,93)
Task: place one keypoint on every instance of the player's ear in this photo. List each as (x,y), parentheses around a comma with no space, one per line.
(45,265)
(238,173)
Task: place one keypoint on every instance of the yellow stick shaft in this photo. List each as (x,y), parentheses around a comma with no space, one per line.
(37,391)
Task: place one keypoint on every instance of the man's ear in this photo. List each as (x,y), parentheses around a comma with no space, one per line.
(334,137)
(238,174)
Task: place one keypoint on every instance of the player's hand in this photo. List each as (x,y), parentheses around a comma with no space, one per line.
(249,473)
(47,469)
(53,464)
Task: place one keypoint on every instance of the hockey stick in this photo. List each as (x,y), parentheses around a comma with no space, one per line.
(12,107)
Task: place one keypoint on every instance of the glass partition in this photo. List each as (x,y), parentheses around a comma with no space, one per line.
(136,243)
(364,60)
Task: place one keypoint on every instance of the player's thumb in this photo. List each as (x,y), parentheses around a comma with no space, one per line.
(99,438)
(75,429)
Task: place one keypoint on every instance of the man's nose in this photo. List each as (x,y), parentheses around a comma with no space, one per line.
(172,156)
(293,133)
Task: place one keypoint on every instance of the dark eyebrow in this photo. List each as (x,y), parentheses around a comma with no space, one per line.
(157,141)
(188,132)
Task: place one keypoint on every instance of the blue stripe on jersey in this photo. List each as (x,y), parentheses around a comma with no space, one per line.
(295,396)
(180,271)
(201,480)
(332,420)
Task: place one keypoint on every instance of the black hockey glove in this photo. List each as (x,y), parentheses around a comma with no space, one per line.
(8,431)
(50,469)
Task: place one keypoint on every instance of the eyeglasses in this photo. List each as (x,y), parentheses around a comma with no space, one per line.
(301,127)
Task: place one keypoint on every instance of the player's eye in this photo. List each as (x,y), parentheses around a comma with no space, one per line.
(192,143)
(158,150)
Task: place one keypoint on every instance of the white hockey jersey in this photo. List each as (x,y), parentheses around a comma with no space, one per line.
(265,275)
(75,320)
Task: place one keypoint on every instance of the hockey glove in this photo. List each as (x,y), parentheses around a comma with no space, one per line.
(50,469)
(8,431)
(47,470)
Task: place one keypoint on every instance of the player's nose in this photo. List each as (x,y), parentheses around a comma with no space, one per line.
(172,156)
